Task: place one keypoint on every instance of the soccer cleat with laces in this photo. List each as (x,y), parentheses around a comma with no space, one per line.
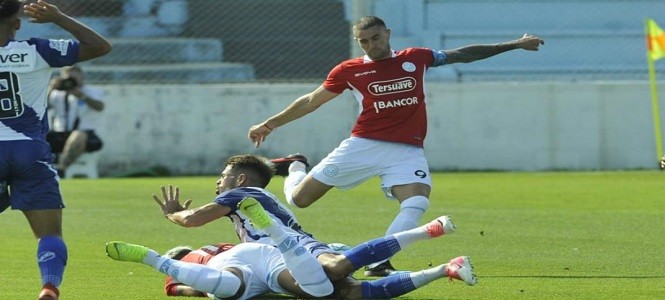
(282,164)
(662,163)
(460,268)
(440,226)
(381,270)
(126,252)
(255,212)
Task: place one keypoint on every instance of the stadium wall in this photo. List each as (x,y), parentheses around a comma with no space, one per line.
(192,129)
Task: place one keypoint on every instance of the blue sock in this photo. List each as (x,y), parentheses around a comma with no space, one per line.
(387,287)
(373,251)
(51,258)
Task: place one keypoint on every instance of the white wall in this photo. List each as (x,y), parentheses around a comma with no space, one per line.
(192,129)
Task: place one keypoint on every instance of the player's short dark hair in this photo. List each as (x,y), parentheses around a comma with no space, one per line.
(367,22)
(9,8)
(259,169)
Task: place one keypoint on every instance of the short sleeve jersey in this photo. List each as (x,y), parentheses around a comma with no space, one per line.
(25,71)
(275,209)
(390,92)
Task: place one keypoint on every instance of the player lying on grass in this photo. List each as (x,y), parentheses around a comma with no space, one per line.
(251,269)
(247,176)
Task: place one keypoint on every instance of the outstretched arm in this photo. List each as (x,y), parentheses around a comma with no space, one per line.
(304,105)
(91,43)
(477,52)
(182,215)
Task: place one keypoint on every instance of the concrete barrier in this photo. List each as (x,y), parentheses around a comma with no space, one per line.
(192,129)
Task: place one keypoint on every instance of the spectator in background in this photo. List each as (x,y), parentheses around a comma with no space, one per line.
(387,139)
(28,181)
(75,109)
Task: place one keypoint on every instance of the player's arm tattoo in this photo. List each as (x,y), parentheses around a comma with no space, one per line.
(476,52)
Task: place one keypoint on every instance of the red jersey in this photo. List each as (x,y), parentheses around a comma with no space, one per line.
(199,256)
(390,92)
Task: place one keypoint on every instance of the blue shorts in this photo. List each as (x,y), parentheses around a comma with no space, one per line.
(28,180)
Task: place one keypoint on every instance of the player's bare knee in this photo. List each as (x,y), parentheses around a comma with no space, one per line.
(301,201)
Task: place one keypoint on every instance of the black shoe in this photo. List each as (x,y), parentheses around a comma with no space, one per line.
(282,164)
(662,163)
(382,270)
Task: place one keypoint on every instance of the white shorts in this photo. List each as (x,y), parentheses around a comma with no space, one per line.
(260,264)
(357,159)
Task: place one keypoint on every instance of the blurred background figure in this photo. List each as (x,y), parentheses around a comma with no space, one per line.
(75,109)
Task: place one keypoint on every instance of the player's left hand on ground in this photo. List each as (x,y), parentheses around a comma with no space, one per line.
(171,202)
(530,42)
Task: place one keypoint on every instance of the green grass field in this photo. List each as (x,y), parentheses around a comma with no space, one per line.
(559,235)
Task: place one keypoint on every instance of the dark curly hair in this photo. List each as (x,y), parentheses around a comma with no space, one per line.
(9,8)
(257,168)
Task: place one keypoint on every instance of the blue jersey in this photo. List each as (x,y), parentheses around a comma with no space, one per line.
(25,156)
(275,209)
(25,71)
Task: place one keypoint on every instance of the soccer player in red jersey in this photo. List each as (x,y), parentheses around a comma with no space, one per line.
(387,139)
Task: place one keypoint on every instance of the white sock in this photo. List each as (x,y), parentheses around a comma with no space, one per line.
(406,238)
(410,212)
(297,172)
(305,268)
(276,232)
(151,258)
(424,277)
(200,277)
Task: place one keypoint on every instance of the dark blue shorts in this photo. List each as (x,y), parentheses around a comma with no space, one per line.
(28,180)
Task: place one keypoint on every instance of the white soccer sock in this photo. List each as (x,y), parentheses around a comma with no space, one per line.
(406,238)
(200,277)
(151,258)
(305,268)
(424,277)
(276,232)
(297,172)
(411,210)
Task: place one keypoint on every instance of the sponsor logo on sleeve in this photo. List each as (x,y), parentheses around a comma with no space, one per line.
(60,45)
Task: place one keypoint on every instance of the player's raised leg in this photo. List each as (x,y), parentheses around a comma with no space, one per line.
(385,247)
(458,268)
(202,278)
(304,267)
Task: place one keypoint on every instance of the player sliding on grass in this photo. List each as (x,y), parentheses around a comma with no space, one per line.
(387,139)
(251,269)
(247,176)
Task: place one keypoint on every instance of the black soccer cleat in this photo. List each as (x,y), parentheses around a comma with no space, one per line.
(662,163)
(382,270)
(282,164)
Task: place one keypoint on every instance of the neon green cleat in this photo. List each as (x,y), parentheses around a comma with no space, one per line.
(255,212)
(126,252)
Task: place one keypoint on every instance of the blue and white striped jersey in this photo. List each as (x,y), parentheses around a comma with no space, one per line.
(276,210)
(25,71)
